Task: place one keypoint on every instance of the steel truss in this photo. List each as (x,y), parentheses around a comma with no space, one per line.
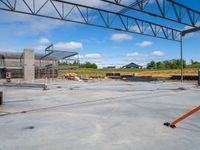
(166,9)
(72,12)
(140,3)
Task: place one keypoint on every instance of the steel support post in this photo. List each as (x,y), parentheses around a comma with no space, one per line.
(181,50)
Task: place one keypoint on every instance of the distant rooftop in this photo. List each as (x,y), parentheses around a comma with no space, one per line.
(132,65)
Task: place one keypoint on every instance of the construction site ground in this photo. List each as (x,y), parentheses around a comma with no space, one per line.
(99,115)
(88,72)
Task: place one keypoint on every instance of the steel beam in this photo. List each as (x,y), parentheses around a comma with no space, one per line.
(72,12)
(166,9)
(183,33)
(51,52)
(48,47)
(142,3)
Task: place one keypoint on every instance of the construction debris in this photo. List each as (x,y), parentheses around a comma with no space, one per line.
(72,76)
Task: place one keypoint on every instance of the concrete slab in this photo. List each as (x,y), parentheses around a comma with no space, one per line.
(100,115)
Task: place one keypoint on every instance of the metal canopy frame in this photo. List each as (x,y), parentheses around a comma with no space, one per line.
(53,54)
(116,20)
(57,54)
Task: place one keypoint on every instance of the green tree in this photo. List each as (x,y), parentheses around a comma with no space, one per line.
(151,65)
(194,64)
(160,65)
(89,65)
(76,63)
(167,64)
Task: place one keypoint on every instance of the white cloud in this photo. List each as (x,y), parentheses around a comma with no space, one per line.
(68,45)
(40,47)
(135,28)
(133,54)
(60,45)
(157,53)
(36,25)
(80,56)
(93,56)
(121,37)
(144,44)
(136,54)
(44,41)
(90,56)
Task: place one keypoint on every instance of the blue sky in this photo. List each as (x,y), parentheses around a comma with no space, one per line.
(102,46)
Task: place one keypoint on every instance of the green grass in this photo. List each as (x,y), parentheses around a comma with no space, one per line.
(140,72)
(101,71)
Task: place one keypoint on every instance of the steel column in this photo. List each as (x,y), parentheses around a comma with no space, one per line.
(181,52)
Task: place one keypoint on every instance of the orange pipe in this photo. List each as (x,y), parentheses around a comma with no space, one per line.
(186,115)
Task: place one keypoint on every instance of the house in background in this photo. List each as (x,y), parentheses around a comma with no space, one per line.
(132,65)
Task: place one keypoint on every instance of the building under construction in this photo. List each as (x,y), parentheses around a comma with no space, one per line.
(29,65)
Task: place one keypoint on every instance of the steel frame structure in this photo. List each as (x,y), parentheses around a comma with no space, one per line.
(140,3)
(163,8)
(87,15)
(182,14)
(49,50)
(64,10)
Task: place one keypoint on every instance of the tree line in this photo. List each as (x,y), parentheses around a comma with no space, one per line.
(81,65)
(172,64)
(167,64)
